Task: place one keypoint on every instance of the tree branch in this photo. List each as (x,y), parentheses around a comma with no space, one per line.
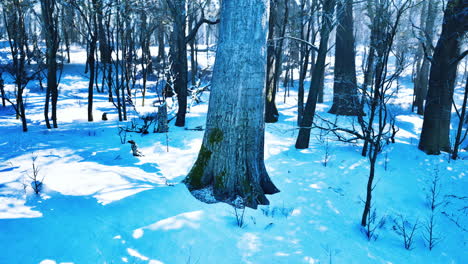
(297,39)
(194,31)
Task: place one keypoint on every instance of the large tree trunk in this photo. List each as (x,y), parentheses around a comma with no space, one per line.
(436,126)
(345,97)
(230,162)
(303,138)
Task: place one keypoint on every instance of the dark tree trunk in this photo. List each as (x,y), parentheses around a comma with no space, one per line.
(271,112)
(436,125)
(345,97)
(321,86)
(146,59)
(179,67)
(161,51)
(305,55)
(91,63)
(300,93)
(367,205)
(303,138)
(22,111)
(46,108)
(50,20)
(179,59)
(2,90)
(104,48)
(230,162)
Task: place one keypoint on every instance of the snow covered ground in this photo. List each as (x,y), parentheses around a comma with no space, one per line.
(99,204)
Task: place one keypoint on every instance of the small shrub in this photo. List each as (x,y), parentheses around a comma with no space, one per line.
(277,211)
(239,211)
(36,183)
(434,191)
(429,235)
(370,230)
(406,230)
(239,214)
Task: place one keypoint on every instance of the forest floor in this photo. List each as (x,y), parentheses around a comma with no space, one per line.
(100,204)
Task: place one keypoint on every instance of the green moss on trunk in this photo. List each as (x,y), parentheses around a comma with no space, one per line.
(219,180)
(216,136)
(194,178)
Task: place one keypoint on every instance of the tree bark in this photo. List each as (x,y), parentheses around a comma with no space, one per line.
(231,159)
(437,113)
(345,97)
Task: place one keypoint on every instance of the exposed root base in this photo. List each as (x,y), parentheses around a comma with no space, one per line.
(209,195)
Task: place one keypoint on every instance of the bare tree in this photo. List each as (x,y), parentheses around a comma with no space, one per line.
(377,128)
(276,30)
(178,52)
(308,33)
(378,136)
(307,119)
(50,20)
(87,11)
(14,13)
(426,38)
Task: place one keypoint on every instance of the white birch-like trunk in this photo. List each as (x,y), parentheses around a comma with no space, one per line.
(230,162)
